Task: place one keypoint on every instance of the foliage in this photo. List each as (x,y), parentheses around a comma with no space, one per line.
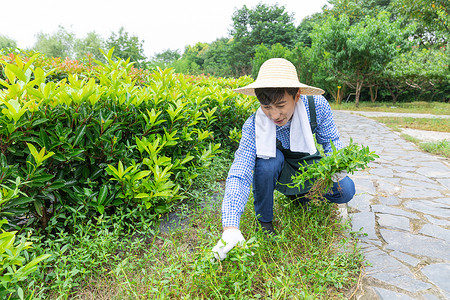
(164,59)
(58,44)
(357,10)
(264,24)
(424,71)
(126,46)
(101,140)
(431,17)
(89,47)
(6,42)
(14,267)
(356,54)
(349,159)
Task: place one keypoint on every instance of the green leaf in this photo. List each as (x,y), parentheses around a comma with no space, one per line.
(102,195)
(79,135)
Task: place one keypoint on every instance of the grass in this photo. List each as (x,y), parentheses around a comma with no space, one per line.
(433,124)
(313,256)
(305,261)
(435,108)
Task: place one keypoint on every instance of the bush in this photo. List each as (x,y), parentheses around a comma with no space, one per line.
(102,139)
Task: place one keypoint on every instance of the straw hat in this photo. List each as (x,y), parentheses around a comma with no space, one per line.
(278,72)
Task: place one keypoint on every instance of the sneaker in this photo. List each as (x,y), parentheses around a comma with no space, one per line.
(267,228)
(299,201)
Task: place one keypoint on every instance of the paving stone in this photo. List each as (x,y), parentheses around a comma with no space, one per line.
(385,220)
(445,201)
(415,244)
(405,163)
(437,232)
(389,157)
(389,200)
(388,188)
(445,182)
(378,208)
(424,185)
(363,185)
(389,270)
(382,172)
(361,202)
(413,176)
(434,172)
(415,192)
(430,297)
(366,221)
(439,274)
(405,258)
(438,221)
(390,295)
(403,168)
(429,207)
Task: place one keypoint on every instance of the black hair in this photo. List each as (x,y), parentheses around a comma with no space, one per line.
(268,96)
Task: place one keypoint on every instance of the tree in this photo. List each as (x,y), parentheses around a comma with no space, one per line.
(265,24)
(192,60)
(357,10)
(217,58)
(90,45)
(356,54)
(426,72)
(7,43)
(431,16)
(126,46)
(165,58)
(59,44)
(306,27)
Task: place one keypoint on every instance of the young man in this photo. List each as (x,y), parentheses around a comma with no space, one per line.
(274,140)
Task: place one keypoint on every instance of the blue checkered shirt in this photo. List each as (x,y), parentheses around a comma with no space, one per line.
(240,176)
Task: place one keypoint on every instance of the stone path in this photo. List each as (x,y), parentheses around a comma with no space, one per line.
(403,205)
(422,135)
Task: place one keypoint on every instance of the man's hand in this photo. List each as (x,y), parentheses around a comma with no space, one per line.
(339,176)
(230,238)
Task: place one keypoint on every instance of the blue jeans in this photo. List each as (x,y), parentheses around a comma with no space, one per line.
(265,175)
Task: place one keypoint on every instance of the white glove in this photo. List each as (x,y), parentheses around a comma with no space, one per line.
(339,176)
(230,238)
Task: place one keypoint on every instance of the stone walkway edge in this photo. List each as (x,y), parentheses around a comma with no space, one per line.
(402,210)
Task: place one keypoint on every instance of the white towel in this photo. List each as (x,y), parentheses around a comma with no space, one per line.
(301,138)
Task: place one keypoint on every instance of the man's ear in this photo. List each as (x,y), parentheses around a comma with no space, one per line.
(297,96)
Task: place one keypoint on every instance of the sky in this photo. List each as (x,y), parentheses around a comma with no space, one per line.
(161,24)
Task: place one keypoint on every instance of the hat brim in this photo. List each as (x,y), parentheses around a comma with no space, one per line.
(249,90)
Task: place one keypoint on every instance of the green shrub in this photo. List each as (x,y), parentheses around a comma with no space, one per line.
(12,268)
(104,139)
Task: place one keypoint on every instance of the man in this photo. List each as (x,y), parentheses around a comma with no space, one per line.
(274,141)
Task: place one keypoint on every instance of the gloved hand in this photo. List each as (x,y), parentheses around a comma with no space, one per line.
(339,176)
(231,237)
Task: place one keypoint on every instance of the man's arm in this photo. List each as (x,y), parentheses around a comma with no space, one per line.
(237,191)
(326,127)
(240,177)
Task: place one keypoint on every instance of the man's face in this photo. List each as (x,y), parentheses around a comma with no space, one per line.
(281,111)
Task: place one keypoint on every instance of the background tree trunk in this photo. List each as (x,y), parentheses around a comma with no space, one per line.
(359,85)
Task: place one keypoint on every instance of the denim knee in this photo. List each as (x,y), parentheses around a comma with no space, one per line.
(342,191)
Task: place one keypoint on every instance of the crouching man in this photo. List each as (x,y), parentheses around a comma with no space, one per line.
(274,141)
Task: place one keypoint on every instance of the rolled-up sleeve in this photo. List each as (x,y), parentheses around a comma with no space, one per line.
(240,176)
(326,127)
